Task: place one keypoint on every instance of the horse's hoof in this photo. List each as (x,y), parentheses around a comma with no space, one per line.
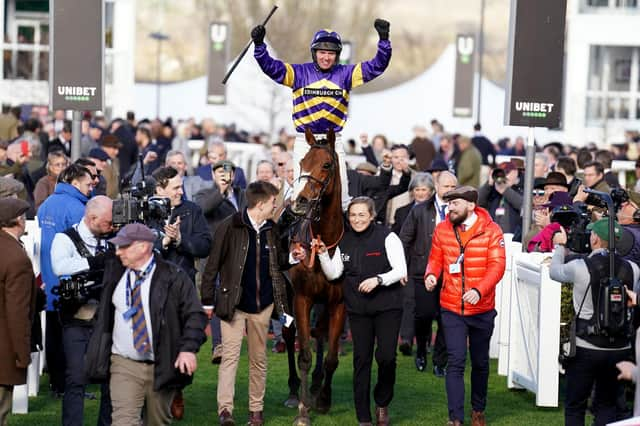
(322,403)
(292,402)
(302,421)
(322,408)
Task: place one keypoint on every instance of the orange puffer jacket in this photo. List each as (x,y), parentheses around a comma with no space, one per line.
(483,264)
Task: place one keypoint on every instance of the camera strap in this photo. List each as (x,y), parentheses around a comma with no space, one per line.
(75,237)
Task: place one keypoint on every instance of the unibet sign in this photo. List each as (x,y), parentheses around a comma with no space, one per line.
(76,93)
(534,109)
(77,59)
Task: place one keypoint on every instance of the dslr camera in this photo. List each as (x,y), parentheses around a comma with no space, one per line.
(138,204)
(76,290)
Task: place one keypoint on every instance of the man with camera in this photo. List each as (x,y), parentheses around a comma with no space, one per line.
(502,197)
(628,216)
(80,253)
(600,303)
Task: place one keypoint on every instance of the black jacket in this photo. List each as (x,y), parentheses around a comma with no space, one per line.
(415,234)
(229,257)
(400,216)
(509,219)
(371,186)
(216,208)
(195,237)
(177,321)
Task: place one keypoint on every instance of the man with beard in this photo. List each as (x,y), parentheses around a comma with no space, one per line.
(470,271)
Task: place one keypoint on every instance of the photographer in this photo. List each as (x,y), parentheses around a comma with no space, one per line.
(185,236)
(629,217)
(502,197)
(597,350)
(593,179)
(78,249)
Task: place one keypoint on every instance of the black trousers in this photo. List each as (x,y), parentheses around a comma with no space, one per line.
(427,310)
(76,339)
(366,329)
(407,331)
(54,352)
(588,367)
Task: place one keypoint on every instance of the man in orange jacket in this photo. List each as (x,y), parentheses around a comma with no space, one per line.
(468,251)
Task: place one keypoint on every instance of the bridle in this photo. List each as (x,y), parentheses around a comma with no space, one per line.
(313,205)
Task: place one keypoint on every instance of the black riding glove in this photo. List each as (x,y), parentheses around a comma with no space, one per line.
(257,35)
(382,27)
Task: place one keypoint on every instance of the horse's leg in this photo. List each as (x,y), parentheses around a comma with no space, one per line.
(289,335)
(321,331)
(303,309)
(336,324)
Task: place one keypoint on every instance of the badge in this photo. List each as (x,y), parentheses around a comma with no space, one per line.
(454,268)
(500,211)
(286,319)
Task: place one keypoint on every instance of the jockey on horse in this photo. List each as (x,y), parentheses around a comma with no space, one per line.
(321,89)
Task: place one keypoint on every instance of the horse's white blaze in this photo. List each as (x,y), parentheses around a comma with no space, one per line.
(298,184)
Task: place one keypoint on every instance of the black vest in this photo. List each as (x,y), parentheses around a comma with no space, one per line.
(598,266)
(364,256)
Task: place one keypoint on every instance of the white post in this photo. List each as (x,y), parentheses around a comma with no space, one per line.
(494,345)
(505,304)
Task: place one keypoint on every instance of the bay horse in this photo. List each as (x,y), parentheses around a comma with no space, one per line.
(317,203)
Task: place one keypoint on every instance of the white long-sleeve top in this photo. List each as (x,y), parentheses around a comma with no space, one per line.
(333,266)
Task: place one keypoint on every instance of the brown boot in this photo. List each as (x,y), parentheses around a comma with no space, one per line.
(226,419)
(255,418)
(477,418)
(382,416)
(177,406)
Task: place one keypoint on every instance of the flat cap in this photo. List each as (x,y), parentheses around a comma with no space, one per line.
(131,233)
(366,166)
(223,163)
(98,154)
(468,193)
(10,208)
(111,141)
(10,186)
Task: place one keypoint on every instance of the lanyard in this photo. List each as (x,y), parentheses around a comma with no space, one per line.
(138,282)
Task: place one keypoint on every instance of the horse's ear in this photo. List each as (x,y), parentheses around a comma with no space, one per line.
(331,139)
(309,137)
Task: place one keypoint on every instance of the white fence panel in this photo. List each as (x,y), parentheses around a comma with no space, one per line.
(502,309)
(502,327)
(534,330)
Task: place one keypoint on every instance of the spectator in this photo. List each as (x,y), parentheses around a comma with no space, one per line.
(56,163)
(543,240)
(8,124)
(217,151)
(483,145)
(128,150)
(593,179)
(190,184)
(146,363)
(251,288)
(82,248)
(148,151)
(567,166)
(186,237)
(449,153)
(111,145)
(9,187)
(62,209)
(265,171)
(540,165)
(400,179)
(628,217)
(468,166)
(605,158)
(421,188)
(63,141)
(218,203)
(91,136)
(374,152)
(467,297)
(502,197)
(100,158)
(373,264)
(421,310)
(18,291)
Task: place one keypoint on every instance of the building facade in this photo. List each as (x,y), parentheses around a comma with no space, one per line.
(602,73)
(25,50)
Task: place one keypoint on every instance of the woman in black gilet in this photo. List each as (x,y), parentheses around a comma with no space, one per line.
(371,258)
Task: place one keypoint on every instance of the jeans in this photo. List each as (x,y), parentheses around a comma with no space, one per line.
(76,338)
(477,330)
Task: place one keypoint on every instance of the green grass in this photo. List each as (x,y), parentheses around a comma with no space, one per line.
(419,399)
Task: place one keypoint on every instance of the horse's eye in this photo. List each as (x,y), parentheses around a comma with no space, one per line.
(326,166)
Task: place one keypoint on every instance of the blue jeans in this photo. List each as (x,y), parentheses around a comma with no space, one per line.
(76,338)
(478,329)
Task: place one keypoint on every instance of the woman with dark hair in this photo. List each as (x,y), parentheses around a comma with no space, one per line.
(371,259)
(56,163)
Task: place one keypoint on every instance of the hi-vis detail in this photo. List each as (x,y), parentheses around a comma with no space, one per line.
(76,93)
(534,109)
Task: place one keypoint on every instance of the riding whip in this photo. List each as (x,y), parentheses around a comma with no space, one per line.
(246,48)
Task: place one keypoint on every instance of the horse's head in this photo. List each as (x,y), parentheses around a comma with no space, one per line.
(319,174)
